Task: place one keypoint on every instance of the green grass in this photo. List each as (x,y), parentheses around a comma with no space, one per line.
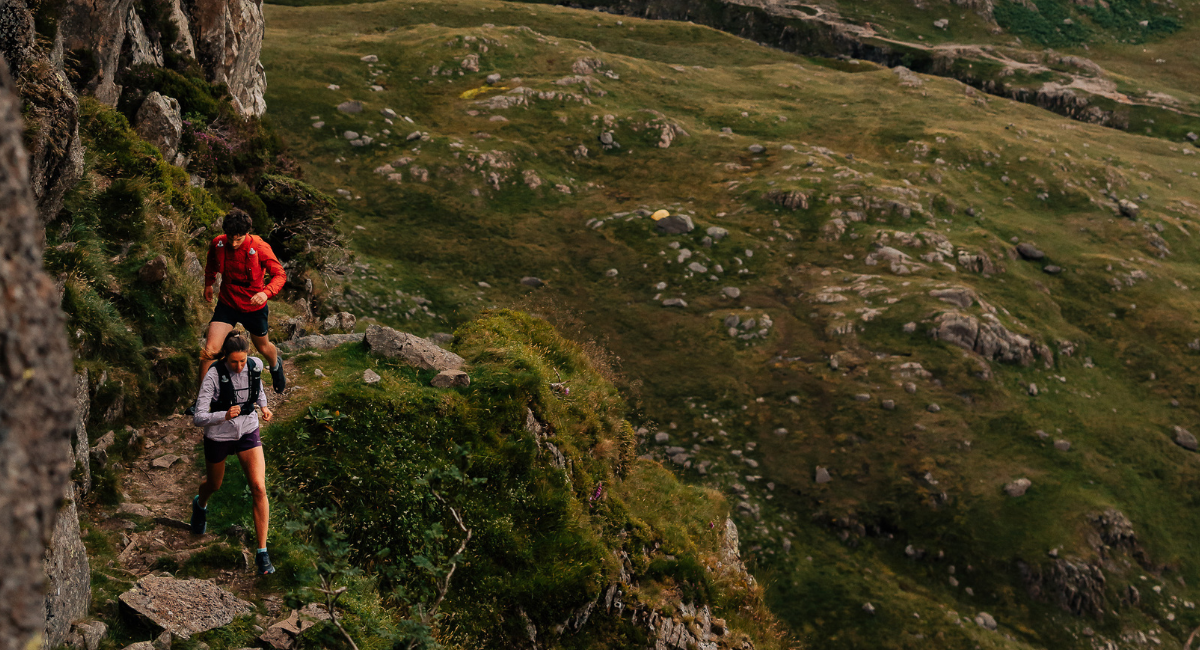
(437,240)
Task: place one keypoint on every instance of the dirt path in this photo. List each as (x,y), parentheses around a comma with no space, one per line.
(158,486)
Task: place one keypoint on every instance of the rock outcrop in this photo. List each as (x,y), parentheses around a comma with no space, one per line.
(68,574)
(225,36)
(989,339)
(37,414)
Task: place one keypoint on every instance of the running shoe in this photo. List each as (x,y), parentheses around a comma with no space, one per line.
(278,380)
(264,563)
(199,517)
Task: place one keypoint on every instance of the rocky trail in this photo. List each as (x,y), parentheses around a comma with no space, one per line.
(149,529)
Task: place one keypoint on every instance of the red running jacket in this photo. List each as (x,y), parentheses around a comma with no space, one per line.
(242,270)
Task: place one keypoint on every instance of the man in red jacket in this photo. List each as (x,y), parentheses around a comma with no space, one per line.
(241,259)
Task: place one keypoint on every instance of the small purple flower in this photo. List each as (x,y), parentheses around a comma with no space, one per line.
(598,492)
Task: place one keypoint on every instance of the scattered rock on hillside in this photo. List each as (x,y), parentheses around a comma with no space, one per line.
(531,281)
(961,296)
(731,292)
(493,79)
(1185,439)
(756,148)
(160,123)
(342,320)
(1128,208)
(822,476)
(135,509)
(154,271)
(319,342)
(717,233)
(674,302)
(985,620)
(183,607)
(908,78)
(371,377)
(1018,487)
(164,461)
(1052,269)
(192,266)
(986,338)
(370,58)
(284,634)
(1062,445)
(352,107)
(933,408)
(413,350)
(451,379)
(1029,251)
(662,437)
(676,224)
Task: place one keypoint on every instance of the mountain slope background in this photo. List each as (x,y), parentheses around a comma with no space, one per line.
(906,366)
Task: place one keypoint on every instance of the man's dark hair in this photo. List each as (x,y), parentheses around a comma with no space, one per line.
(237,223)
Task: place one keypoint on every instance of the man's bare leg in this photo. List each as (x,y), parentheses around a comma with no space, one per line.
(212,346)
(266,348)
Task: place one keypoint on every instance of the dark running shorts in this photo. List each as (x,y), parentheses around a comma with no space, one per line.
(215,451)
(255,322)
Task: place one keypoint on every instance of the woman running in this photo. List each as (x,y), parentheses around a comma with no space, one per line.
(231,389)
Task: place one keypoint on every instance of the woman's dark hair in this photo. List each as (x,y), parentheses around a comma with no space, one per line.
(237,223)
(234,342)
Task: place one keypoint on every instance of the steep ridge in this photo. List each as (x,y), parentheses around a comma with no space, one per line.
(1071,85)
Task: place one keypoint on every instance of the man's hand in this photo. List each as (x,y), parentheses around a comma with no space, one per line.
(259,298)
(208,293)
(233,412)
(267,414)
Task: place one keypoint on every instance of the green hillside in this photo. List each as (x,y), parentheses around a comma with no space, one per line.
(883,206)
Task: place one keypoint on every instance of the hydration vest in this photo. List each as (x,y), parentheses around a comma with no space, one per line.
(226,395)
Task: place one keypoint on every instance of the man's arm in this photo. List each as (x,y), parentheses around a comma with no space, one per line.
(212,265)
(274,269)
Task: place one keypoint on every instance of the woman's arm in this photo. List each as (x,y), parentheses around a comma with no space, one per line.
(208,388)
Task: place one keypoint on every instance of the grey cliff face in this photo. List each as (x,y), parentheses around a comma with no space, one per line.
(37,384)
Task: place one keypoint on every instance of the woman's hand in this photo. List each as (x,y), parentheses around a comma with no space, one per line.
(233,412)
(267,414)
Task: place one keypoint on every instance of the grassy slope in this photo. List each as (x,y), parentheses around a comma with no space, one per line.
(440,240)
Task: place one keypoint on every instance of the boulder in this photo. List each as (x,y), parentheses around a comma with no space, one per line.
(492,79)
(674,302)
(371,377)
(160,123)
(164,461)
(676,224)
(154,271)
(822,476)
(731,292)
(182,607)
(342,320)
(985,620)
(1018,487)
(352,107)
(1029,251)
(1185,439)
(989,339)
(90,634)
(756,148)
(531,281)
(450,379)
(1128,208)
(411,349)
(717,233)
(1062,445)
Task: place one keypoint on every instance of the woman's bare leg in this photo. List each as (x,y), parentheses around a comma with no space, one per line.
(255,468)
(212,483)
